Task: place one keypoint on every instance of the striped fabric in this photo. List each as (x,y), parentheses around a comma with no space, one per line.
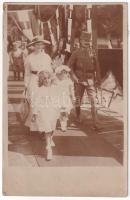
(89,20)
(26,22)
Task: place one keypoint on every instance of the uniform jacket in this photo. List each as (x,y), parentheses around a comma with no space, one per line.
(81,64)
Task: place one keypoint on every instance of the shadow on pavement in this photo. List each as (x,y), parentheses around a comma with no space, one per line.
(92,144)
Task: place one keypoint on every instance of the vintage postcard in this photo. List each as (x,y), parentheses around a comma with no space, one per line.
(65,99)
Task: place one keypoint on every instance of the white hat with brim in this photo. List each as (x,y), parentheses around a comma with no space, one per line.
(38,39)
(59,69)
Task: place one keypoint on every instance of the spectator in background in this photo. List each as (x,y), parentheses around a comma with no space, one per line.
(76,44)
(9,44)
(16,59)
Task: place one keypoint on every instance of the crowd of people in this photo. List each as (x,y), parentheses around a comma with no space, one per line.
(55,86)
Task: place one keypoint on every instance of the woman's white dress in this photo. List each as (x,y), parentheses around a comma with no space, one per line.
(34,62)
(46,108)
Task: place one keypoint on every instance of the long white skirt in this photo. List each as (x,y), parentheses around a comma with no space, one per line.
(32,90)
(46,119)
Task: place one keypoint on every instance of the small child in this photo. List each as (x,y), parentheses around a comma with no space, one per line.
(45,112)
(66,90)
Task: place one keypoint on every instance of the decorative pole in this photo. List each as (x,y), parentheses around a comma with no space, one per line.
(69,27)
(95,49)
(57,24)
(89,21)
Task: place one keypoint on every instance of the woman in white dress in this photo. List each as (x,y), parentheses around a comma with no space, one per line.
(35,62)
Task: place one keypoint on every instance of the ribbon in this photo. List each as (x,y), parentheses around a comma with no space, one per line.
(89,26)
(69,29)
(51,34)
(42,31)
(57,22)
(89,7)
(71,9)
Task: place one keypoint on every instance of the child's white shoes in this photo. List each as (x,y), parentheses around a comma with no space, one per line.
(49,150)
(52,143)
(49,154)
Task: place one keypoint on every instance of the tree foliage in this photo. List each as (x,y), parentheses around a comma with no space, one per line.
(110,20)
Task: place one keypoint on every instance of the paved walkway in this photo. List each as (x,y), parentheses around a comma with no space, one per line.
(79,146)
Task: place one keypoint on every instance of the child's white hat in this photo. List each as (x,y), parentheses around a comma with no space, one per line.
(60,68)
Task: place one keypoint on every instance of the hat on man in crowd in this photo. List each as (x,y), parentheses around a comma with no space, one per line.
(61,68)
(85,36)
(76,43)
(85,39)
(38,39)
(17,43)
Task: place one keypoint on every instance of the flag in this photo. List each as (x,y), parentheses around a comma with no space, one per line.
(37,12)
(23,20)
(69,29)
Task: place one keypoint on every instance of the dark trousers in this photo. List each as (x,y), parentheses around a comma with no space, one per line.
(79,92)
(17,75)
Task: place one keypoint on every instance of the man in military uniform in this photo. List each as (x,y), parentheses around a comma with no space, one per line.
(84,66)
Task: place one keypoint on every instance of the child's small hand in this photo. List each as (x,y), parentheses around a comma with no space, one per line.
(33,118)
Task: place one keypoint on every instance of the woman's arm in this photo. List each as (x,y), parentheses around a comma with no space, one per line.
(71,91)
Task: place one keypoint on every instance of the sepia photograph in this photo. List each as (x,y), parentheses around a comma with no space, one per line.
(65,98)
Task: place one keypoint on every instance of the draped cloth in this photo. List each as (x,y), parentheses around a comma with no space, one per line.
(26,22)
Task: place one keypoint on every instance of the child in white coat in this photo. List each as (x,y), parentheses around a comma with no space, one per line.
(66,91)
(45,109)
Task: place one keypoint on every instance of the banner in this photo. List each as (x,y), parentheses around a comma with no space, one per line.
(22,19)
(89,8)
(51,34)
(89,21)
(89,26)
(57,24)
(69,29)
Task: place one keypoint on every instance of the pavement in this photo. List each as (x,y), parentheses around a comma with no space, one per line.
(81,145)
